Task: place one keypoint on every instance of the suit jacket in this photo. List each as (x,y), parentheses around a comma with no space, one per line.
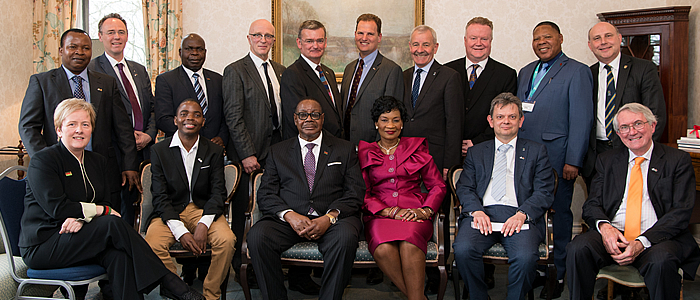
(671,188)
(142,89)
(496,78)
(640,84)
(55,191)
(299,81)
(338,183)
(383,79)
(438,113)
(247,109)
(533,179)
(169,185)
(563,113)
(112,130)
(175,86)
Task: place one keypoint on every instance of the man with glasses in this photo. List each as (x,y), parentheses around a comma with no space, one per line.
(312,190)
(252,108)
(638,210)
(308,78)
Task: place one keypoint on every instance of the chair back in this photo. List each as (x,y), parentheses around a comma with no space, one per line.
(11,209)
(232,176)
(146,200)
(254,211)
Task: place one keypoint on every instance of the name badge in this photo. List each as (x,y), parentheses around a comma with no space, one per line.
(528,107)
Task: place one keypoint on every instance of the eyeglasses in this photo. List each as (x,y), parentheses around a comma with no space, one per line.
(114,32)
(310,41)
(258,36)
(313,115)
(625,129)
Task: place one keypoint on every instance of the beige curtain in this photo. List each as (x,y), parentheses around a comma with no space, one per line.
(51,19)
(163,21)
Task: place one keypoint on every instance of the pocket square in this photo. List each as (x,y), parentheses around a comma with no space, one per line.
(204,167)
(334,163)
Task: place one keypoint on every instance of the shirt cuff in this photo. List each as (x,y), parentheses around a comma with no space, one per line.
(332,209)
(644,240)
(207,220)
(281,214)
(597,224)
(177,228)
(89,211)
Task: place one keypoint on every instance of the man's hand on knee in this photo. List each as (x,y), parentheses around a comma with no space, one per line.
(482,222)
(188,242)
(298,222)
(200,236)
(613,239)
(630,254)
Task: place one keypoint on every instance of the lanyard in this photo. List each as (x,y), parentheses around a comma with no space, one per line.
(536,80)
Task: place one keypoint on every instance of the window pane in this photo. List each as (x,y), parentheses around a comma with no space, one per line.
(130,10)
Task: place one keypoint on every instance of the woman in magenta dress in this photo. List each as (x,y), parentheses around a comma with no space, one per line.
(397,215)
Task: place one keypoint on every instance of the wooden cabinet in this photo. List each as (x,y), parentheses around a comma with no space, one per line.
(660,35)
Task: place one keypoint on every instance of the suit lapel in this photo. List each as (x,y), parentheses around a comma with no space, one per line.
(187,83)
(481,82)
(553,70)
(619,170)
(347,83)
(96,87)
(622,74)
(202,150)
(177,158)
(430,77)
(370,75)
(297,161)
(60,80)
(594,71)
(655,169)
(323,154)
(521,148)
(109,70)
(408,88)
(252,71)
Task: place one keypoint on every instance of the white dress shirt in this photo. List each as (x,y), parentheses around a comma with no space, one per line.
(468,65)
(602,90)
(202,80)
(423,75)
(113,62)
(510,199)
(273,78)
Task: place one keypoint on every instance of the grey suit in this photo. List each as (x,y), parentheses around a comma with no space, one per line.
(383,79)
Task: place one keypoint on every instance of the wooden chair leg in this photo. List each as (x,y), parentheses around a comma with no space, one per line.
(244,281)
(611,288)
(455,281)
(443,282)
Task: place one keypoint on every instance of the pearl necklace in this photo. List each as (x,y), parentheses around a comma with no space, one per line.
(390,148)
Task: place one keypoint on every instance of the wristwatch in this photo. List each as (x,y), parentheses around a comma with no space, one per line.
(332,218)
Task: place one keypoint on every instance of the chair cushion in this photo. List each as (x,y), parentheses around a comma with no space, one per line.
(308,251)
(77,273)
(498,251)
(625,275)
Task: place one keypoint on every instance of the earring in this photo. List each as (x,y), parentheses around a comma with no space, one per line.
(376,127)
(401,127)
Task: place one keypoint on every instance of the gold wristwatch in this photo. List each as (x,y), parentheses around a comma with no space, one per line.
(332,218)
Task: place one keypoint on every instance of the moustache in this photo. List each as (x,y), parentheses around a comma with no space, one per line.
(416,53)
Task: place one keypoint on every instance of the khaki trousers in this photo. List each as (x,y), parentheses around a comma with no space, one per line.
(219,237)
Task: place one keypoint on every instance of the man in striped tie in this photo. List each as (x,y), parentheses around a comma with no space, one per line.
(618,79)
(504,190)
(638,210)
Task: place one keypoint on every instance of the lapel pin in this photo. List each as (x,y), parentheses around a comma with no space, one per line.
(199,159)
(522,157)
(136,74)
(99,89)
(523,148)
(625,67)
(434,73)
(374,69)
(69,173)
(325,152)
(654,170)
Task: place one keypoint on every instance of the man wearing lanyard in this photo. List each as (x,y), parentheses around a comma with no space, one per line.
(557,100)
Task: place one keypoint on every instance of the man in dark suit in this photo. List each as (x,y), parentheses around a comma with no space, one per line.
(629,80)
(432,95)
(558,106)
(638,211)
(191,81)
(312,190)
(73,80)
(136,93)
(252,108)
(507,180)
(367,79)
(483,78)
(188,198)
(308,78)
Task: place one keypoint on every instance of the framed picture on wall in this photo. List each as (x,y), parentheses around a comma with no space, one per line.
(398,19)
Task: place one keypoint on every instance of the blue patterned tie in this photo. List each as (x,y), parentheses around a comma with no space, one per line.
(324,80)
(416,88)
(78,93)
(609,103)
(200,93)
(310,165)
(500,168)
(472,76)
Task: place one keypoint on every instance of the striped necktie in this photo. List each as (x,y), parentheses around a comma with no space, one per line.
(609,103)
(200,93)
(500,168)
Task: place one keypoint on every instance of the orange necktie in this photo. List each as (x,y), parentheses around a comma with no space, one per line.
(633,215)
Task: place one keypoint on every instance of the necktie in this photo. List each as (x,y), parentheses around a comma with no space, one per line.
(310,165)
(609,103)
(353,95)
(536,81)
(416,88)
(324,81)
(500,168)
(271,95)
(135,108)
(472,76)
(633,213)
(200,93)
(78,93)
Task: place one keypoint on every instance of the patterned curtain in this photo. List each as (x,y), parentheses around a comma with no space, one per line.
(51,19)
(163,21)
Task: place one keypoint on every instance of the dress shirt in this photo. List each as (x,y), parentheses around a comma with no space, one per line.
(202,81)
(602,98)
(86,82)
(316,151)
(468,65)
(273,78)
(114,63)
(510,199)
(423,74)
(176,226)
(648,213)
(368,62)
(313,67)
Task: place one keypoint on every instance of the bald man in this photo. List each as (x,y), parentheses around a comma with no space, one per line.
(252,109)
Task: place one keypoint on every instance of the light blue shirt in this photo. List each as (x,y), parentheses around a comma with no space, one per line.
(368,62)
(86,91)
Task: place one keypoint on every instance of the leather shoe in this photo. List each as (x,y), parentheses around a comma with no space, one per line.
(305,286)
(558,289)
(375,276)
(188,275)
(190,294)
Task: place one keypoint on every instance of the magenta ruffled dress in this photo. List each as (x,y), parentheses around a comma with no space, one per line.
(394,180)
